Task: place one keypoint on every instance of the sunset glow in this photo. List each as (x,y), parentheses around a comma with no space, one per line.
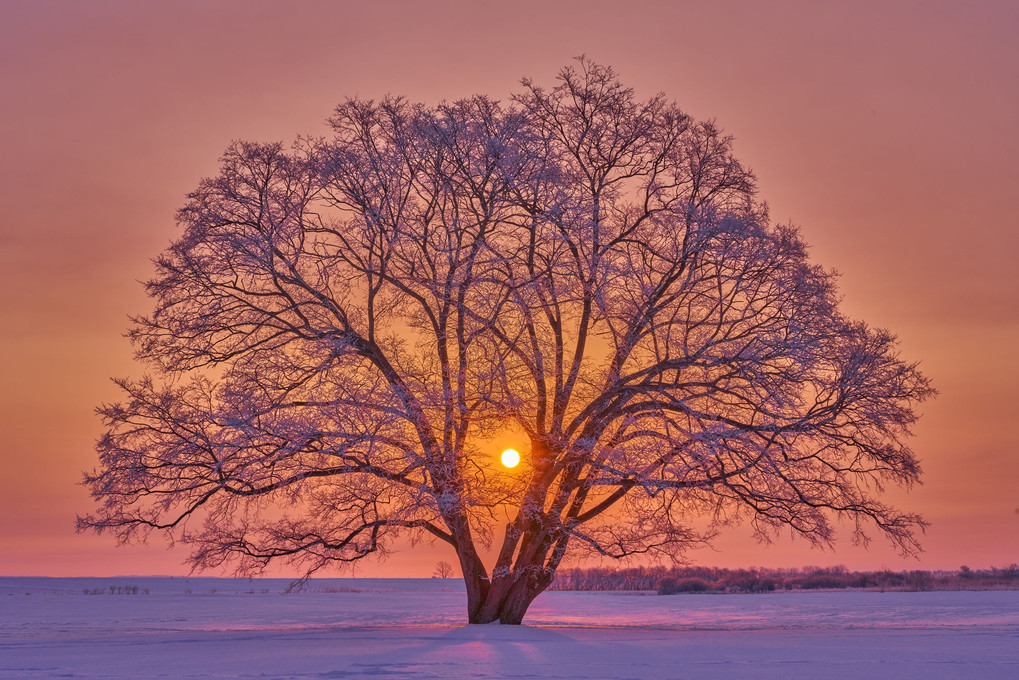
(510,458)
(885,132)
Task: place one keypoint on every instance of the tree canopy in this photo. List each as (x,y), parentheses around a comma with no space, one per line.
(345,322)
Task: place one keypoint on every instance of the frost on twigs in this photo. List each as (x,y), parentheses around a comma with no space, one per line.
(343,323)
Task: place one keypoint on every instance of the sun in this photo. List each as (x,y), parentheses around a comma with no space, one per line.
(510,458)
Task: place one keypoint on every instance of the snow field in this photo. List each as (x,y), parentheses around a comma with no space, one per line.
(396,628)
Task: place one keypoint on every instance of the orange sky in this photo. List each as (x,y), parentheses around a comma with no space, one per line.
(889,131)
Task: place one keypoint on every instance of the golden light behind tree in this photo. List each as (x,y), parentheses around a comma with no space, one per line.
(510,458)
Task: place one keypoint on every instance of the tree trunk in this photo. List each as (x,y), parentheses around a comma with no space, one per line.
(507,599)
(506,596)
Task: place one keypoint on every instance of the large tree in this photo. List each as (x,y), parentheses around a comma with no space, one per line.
(345,323)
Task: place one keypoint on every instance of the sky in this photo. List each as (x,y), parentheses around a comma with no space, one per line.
(888,131)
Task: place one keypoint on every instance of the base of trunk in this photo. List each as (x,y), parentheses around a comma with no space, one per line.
(506,607)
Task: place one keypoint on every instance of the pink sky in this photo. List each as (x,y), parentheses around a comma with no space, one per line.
(889,131)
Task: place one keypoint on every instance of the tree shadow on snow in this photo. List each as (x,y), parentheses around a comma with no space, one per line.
(491,650)
(495,644)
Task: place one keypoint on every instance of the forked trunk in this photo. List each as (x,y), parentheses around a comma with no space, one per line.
(521,571)
(504,599)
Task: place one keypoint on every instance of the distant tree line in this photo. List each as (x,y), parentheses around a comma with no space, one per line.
(668,581)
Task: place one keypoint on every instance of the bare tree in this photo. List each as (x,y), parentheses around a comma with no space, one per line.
(343,324)
(443,569)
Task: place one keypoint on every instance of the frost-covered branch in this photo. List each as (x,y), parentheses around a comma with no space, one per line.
(343,325)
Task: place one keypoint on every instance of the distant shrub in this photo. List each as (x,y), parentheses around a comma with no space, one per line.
(919,580)
(1009,573)
(671,586)
(748,583)
(864,580)
(115,590)
(823,582)
(890,579)
(340,589)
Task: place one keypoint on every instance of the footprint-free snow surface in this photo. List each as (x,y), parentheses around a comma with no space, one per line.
(411,628)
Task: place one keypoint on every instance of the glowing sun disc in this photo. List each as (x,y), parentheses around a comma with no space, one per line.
(510,458)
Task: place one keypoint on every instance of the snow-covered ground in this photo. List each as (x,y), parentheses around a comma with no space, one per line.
(395,628)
